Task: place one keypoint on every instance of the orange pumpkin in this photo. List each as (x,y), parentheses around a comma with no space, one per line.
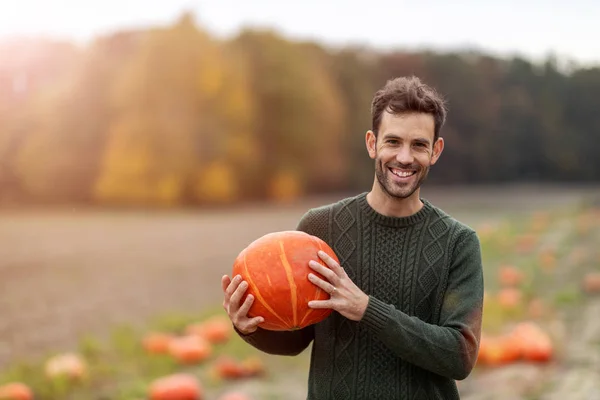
(591,282)
(537,308)
(235,396)
(69,365)
(228,368)
(510,298)
(15,391)
(157,342)
(176,387)
(483,349)
(497,350)
(509,276)
(189,349)
(253,366)
(535,345)
(276,269)
(215,330)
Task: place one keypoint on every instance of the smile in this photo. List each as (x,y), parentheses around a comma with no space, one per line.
(402,173)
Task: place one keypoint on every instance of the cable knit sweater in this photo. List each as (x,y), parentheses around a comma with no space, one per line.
(421,328)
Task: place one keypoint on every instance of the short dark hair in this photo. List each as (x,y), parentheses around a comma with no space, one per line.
(408,95)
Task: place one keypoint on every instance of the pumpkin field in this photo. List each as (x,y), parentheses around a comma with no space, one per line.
(126,304)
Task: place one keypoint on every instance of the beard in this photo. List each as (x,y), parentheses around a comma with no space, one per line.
(398,190)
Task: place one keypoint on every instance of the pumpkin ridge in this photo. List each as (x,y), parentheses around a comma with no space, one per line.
(257,294)
(310,310)
(318,292)
(291,281)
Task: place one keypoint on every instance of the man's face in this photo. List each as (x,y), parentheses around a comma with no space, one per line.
(403,152)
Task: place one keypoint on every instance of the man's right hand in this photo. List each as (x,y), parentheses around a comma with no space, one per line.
(233,290)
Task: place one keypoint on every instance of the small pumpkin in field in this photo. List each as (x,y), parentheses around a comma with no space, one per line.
(535,344)
(157,342)
(235,396)
(228,368)
(510,298)
(179,386)
(189,349)
(276,269)
(66,365)
(497,350)
(15,391)
(537,308)
(508,275)
(215,330)
(253,366)
(591,282)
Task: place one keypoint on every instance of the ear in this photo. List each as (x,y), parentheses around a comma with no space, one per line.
(438,147)
(371,142)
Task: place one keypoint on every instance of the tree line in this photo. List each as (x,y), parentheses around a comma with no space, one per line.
(173,116)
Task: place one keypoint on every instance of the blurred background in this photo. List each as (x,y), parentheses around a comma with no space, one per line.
(143,144)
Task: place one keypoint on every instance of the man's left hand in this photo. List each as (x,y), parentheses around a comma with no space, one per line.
(345,297)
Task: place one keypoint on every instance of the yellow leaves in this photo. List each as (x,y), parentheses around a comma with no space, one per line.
(163,190)
(130,173)
(243,149)
(168,189)
(180,102)
(216,183)
(210,78)
(285,186)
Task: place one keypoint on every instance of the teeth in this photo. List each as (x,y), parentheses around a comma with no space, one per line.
(402,174)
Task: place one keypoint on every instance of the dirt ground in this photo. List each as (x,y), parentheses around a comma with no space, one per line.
(71,272)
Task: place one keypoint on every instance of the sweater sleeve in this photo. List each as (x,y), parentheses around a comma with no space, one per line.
(450,348)
(282,343)
(288,343)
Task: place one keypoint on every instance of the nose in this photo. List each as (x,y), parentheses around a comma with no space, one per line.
(405,155)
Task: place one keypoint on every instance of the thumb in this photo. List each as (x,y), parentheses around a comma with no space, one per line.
(225,281)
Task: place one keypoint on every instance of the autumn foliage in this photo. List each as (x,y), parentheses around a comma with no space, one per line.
(171,115)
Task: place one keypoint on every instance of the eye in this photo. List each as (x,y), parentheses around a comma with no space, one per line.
(392,141)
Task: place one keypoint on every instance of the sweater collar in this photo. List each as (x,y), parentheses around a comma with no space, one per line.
(381,219)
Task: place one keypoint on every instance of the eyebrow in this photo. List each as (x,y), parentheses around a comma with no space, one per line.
(394,136)
(422,140)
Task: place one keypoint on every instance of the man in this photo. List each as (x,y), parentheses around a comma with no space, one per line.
(408,293)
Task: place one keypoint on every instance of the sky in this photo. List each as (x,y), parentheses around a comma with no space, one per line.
(530,28)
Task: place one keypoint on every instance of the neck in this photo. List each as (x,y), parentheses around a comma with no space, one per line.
(390,206)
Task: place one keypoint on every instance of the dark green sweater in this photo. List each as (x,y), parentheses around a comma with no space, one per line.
(421,329)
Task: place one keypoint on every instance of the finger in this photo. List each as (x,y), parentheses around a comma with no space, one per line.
(320,304)
(225,281)
(243,310)
(329,261)
(242,319)
(236,297)
(327,273)
(251,325)
(326,286)
(233,285)
(254,322)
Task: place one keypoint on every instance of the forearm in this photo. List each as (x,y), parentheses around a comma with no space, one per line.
(449,351)
(448,348)
(285,343)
